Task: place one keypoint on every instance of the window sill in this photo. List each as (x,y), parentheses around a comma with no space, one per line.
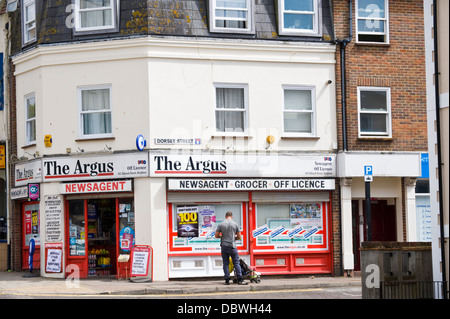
(374,44)
(87,139)
(231,135)
(28,146)
(300,137)
(375,138)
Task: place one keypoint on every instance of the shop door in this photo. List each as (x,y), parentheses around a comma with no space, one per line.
(31,219)
(77,262)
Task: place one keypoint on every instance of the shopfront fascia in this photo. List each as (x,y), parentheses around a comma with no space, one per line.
(85,213)
(285,222)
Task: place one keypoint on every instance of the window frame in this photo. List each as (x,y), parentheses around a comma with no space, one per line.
(250,19)
(79,30)
(386,26)
(25,30)
(312,90)
(244,110)
(388,112)
(317,16)
(80,89)
(28,140)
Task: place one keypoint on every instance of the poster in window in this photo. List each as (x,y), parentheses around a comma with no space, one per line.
(307,215)
(207,220)
(187,221)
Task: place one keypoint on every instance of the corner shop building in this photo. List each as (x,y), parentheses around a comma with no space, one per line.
(90,209)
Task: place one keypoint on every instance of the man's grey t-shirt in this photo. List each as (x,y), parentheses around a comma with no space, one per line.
(229,229)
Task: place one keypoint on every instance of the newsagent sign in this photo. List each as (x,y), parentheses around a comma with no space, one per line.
(249,184)
(208,165)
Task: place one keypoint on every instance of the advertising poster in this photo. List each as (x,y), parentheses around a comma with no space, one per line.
(207,220)
(187,221)
(306,215)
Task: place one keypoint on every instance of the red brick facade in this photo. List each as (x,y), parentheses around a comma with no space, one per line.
(399,65)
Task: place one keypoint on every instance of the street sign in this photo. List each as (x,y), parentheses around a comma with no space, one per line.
(368,173)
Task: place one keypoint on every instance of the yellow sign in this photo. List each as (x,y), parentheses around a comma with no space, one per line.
(48,140)
(2,157)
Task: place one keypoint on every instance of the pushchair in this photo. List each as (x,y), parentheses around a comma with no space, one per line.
(247,272)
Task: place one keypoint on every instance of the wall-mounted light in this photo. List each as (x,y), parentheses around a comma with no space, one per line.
(270,139)
(329,82)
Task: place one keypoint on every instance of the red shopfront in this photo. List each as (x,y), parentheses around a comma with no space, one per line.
(99,227)
(283,232)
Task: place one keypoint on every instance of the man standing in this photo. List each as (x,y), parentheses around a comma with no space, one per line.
(228,232)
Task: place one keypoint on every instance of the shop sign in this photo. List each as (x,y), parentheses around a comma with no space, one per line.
(250,184)
(96,187)
(19,192)
(242,165)
(29,172)
(53,257)
(98,167)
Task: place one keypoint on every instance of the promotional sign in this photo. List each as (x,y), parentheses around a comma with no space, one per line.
(141,257)
(98,167)
(250,184)
(33,192)
(53,218)
(242,165)
(53,257)
(187,221)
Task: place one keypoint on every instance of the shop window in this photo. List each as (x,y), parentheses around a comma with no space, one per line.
(231,109)
(235,16)
(299,109)
(291,226)
(374,106)
(372,21)
(300,17)
(208,216)
(96,15)
(28,21)
(423,210)
(30,122)
(95,112)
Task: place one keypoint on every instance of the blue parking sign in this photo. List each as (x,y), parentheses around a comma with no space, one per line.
(368,170)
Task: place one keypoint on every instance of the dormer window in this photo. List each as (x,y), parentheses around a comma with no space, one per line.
(301,18)
(231,16)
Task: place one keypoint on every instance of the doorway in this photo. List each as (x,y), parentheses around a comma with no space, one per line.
(92,236)
(383,219)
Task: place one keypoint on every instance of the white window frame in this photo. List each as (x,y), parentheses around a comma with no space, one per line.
(81,112)
(384,20)
(250,18)
(114,18)
(388,112)
(28,25)
(245,110)
(317,16)
(311,89)
(28,137)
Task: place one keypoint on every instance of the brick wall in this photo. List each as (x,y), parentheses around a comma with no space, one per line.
(16,216)
(399,65)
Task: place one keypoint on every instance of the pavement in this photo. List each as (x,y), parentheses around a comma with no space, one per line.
(20,283)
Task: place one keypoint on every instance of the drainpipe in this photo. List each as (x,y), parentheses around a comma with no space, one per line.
(439,158)
(343,43)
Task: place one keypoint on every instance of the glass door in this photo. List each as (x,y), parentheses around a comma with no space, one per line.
(76,237)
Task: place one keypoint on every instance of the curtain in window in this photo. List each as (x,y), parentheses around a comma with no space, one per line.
(230,109)
(298,111)
(231,14)
(95,13)
(31,120)
(96,111)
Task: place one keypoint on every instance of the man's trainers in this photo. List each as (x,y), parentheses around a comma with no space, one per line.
(242,282)
(227,282)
